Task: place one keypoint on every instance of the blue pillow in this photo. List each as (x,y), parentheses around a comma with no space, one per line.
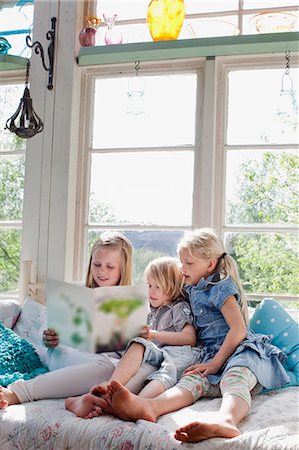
(18,359)
(272,319)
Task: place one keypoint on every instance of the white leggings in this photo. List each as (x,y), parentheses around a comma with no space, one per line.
(74,380)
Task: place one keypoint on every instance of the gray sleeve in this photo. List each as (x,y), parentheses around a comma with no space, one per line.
(181,315)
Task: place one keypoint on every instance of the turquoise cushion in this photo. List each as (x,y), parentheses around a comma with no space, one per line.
(18,359)
(272,319)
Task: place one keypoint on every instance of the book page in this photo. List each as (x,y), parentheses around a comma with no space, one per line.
(120,314)
(70,313)
(96,320)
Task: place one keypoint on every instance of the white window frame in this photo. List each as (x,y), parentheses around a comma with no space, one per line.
(16,77)
(239,12)
(209,149)
(227,64)
(88,80)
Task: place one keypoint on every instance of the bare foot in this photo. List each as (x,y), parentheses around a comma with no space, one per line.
(129,406)
(85,404)
(7,397)
(99,389)
(199,431)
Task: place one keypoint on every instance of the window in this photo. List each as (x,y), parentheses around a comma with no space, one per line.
(12,170)
(16,20)
(141,165)
(204,18)
(16,23)
(261,194)
(149,175)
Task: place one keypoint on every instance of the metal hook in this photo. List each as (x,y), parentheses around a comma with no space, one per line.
(137,66)
(287,58)
(38,48)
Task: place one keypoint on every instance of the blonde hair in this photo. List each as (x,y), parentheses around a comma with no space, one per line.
(167,274)
(204,243)
(115,240)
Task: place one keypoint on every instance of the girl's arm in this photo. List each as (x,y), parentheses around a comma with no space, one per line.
(185,337)
(236,334)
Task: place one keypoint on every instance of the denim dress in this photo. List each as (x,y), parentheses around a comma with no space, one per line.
(255,352)
(170,360)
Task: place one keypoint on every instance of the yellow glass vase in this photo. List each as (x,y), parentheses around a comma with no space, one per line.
(165,19)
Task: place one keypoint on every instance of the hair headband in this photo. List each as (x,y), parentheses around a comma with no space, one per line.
(222,256)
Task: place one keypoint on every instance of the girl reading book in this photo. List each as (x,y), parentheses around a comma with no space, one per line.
(110,264)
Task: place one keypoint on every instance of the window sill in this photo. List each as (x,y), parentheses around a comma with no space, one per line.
(190,48)
(11,62)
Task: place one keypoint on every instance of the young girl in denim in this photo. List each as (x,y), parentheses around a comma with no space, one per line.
(235,359)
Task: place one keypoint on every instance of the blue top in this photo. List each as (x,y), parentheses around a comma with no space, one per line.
(255,351)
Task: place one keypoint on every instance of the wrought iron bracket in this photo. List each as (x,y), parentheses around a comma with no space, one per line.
(38,48)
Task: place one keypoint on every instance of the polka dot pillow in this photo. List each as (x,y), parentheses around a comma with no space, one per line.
(272,319)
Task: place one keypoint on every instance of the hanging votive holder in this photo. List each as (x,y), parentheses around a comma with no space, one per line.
(25,123)
(287,105)
(136,93)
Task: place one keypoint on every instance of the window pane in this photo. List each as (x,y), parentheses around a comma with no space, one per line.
(268,263)
(124,9)
(204,6)
(221,26)
(10,248)
(262,187)
(12,170)
(16,24)
(253,4)
(142,188)
(147,245)
(257,112)
(138,9)
(168,118)
(10,96)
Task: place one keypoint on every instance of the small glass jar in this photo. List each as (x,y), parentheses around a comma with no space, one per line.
(87,36)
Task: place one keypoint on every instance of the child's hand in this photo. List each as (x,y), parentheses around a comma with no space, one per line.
(50,338)
(204,369)
(147,333)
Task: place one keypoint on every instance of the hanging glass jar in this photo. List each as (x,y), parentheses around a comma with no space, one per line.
(165,19)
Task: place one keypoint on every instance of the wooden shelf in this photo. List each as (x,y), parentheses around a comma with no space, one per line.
(190,48)
(11,62)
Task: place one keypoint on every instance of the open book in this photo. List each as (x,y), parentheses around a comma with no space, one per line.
(96,320)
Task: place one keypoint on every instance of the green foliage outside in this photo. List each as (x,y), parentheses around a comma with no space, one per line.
(141,259)
(10,244)
(267,193)
(267,190)
(11,207)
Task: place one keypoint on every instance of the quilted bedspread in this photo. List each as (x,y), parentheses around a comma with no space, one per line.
(271,425)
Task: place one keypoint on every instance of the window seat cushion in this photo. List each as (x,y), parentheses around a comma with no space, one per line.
(272,319)
(9,312)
